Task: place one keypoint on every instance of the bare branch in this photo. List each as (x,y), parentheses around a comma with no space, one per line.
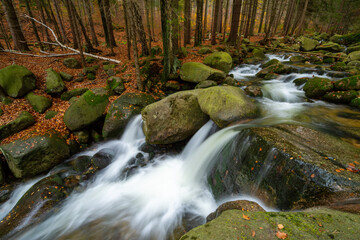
(69,48)
(41,56)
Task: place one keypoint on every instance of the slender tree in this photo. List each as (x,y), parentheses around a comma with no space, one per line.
(187,22)
(235,19)
(90,23)
(164,8)
(226,18)
(215,22)
(59,19)
(140,27)
(175,25)
(148,23)
(198,27)
(28,9)
(127,25)
(205,18)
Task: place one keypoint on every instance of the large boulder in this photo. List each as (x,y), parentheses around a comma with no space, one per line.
(297,59)
(17,80)
(54,83)
(89,108)
(219,60)
(349,83)
(122,110)
(340,96)
(226,104)
(24,120)
(197,72)
(317,87)
(39,103)
(354,56)
(174,118)
(310,224)
(331,47)
(275,68)
(308,44)
(353,48)
(315,167)
(27,158)
(116,85)
(271,62)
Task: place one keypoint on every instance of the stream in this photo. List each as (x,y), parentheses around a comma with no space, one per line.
(156,199)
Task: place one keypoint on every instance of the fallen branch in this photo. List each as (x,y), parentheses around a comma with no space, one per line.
(69,48)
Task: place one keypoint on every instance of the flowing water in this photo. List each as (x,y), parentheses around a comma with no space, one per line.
(155,200)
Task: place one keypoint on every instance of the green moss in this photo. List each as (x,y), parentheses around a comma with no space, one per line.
(50,114)
(66,96)
(271,62)
(355,102)
(219,60)
(196,72)
(93,99)
(54,83)
(340,96)
(317,87)
(349,83)
(24,120)
(17,80)
(39,103)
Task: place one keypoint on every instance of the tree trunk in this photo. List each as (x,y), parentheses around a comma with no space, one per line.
(72,22)
(103,20)
(205,18)
(61,25)
(106,5)
(226,18)
(91,23)
(77,32)
(140,28)
(127,25)
(187,22)
(198,27)
(248,18)
(235,20)
(302,19)
(43,19)
(5,36)
(164,6)
(33,25)
(152,19)
(253,18)
(50,15)
(147,12)
(262,14)
(174,25)
(215,22)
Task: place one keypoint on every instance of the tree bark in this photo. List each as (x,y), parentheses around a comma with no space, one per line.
(164,6)
(33,25)
(187,22)
(140,28)
(147,12)
(215,22)
(127,25)
(174,25)
(205,18)
(61,25)
(235,20)
(91,23)
(106,5)
(302,19)
(262,15)
(72,22)
(77,32)
(226,18)
(43,19)
(198,27)
(103,20)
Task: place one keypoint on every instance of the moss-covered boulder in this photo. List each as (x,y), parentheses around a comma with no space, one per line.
(317,87)
(355,102)
(301,81)
(206,84)
(353,48)
(39,103)
(340,96)
(354,56)
(297,59)
(24,120)
(314,166)
(271,62)
(174,118)
(27,158)
(72,63)
(17,80)
(66,96)
(122,110)
(205,50)
(89,108)
(54,83)
(259,54)
(354,64)
(308,44)
(50,114)
(276,68)
(219,60)
(253,91)
(226,104)
(66,76)
(311,224)
(349,83)
(330,47)
(197,72)
(116,85)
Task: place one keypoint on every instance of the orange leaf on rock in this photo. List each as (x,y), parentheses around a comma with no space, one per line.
(281,235)
(245,217)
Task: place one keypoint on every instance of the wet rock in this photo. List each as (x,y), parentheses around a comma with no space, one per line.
(242,205)
(297,59)
(54,83)
(72,63)
(103,158)
(258,54)
(344,97)
(82,136)
(226,104)
(271,62)
(330,47)
(27,158)
(197,72)
(122,110)
(307,44)
(317,87)
(116,85)
(349,83)
(17,80)
(24,120)
(277,68)
(312,224)
(355,102)
(219,60)
(300,81)
(66,77)
(66,96)
(253,91)
(174,118)
(354,64)
(206,84)
(230,81)
(353,48)
(39,103)
(81,163)
(313,165)
(89,108)
(354,56)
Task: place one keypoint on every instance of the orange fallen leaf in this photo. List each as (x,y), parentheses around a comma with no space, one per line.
(245,217)
(260,227)
(281,235)
(312,175)
(280,226)
(253,233)
(356,162)
(351,165)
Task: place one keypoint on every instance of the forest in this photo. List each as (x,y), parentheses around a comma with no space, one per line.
(179,119)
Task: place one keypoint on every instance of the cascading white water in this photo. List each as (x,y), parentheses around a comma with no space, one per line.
(245,70)
(152,202)
(281,58)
